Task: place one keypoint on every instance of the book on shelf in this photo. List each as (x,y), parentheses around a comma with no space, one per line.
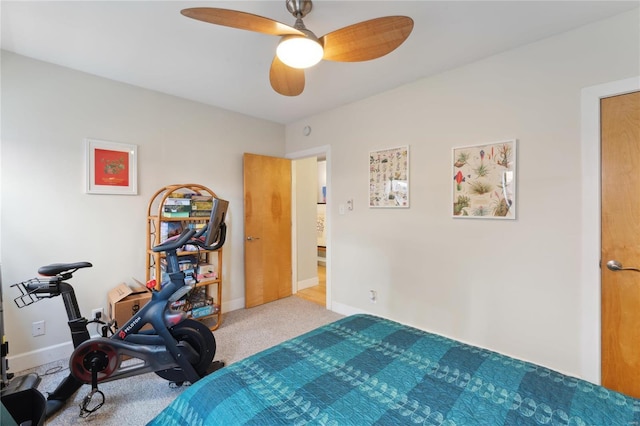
(177,201)
(187,264)
(203,311)
(175,214)
(201,205)
(198,197)
(177,208)
(200,213)
(197,225)
(178,194)
(200,304)
(169,229)
(201,202)
(197,303)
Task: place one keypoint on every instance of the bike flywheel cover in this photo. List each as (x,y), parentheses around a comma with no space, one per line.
(106,355)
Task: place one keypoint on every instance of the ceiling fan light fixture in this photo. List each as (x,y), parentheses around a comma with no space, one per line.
(299,48)
(299,52)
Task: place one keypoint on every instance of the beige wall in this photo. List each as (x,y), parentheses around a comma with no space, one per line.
(511,286)
(47,217)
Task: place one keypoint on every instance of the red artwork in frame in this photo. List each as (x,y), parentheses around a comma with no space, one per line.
(111,167)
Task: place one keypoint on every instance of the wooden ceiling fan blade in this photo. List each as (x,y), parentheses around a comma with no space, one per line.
(286,80)
(366,40)
(240,20)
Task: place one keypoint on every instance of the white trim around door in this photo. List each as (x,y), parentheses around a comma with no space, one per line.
(590,264)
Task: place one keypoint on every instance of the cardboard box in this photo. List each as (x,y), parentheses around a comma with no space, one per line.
(125,301)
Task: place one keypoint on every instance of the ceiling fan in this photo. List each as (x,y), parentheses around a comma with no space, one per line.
(299,48)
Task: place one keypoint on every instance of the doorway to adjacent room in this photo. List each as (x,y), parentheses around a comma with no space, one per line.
(265,280)
(311,230)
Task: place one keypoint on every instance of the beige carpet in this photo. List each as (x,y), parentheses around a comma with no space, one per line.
(135,401)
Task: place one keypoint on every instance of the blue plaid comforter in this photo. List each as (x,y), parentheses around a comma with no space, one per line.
(365,370)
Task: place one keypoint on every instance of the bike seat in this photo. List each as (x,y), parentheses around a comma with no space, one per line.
(58,268)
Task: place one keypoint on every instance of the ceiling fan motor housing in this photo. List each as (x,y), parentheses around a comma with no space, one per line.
(299,8)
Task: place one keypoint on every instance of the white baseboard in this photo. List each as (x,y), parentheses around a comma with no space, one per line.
(346,310)
(42,356)
(233,305)
(340,308)
(307,283)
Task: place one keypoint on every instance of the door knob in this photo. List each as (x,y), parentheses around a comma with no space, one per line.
(250,238)
(614,265)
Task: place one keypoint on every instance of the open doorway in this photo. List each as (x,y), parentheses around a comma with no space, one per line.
(313,289)
(311,236)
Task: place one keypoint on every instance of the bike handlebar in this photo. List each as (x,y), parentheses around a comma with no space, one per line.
(176,242)
(221,239)
(201,232)
(190,237)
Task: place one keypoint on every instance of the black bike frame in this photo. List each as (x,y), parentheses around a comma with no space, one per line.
(157,348)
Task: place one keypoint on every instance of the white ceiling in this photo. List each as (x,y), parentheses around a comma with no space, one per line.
(151,45)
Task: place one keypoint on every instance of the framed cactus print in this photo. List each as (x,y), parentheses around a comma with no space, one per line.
(484,181)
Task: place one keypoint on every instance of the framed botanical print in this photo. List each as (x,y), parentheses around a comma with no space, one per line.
(389,177)
(484,181)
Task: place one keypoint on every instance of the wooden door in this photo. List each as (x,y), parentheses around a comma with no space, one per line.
(620,180)
(267,228)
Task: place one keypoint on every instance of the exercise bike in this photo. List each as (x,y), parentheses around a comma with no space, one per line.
(177,348)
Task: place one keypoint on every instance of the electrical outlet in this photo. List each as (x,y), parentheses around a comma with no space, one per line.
(37,328)
(373,296)
(97,313)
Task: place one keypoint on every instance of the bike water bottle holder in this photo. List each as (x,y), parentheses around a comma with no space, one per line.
(33,290)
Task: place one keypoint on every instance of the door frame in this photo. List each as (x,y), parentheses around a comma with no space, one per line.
(590,320)
(320,151)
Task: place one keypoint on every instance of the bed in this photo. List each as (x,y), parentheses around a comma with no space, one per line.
(365,370)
